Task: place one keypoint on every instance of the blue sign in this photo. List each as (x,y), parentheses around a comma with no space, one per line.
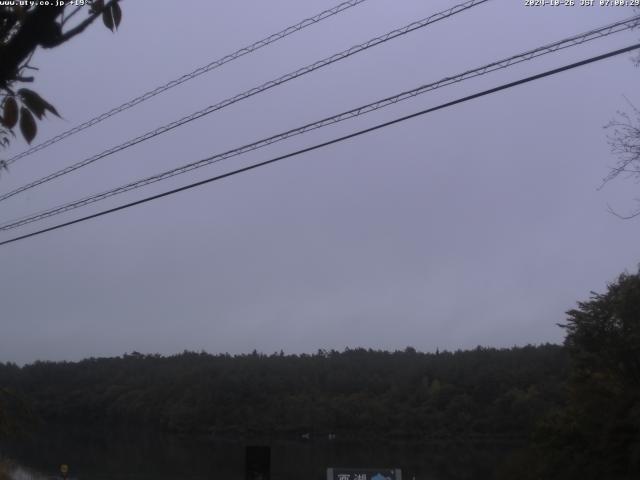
(364,474)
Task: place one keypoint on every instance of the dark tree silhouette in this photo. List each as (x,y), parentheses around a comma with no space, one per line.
(597,435)
(23,29)
(358,392)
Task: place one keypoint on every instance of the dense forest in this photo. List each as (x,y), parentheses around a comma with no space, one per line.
(404,393)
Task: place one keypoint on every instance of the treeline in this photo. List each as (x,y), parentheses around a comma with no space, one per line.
(484,391)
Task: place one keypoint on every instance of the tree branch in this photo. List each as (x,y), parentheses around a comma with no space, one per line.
(36,27)
(68,17)
(82,25)
(623,217)
(39,28)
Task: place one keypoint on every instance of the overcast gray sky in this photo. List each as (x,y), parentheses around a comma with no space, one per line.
(477,225)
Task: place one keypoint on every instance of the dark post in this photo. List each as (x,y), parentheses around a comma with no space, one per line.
(257,464)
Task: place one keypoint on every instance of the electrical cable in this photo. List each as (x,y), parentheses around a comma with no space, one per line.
(362,110)
(193,74)
(254,91)
(333,141)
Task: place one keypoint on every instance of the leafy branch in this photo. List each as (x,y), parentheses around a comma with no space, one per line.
(22,30)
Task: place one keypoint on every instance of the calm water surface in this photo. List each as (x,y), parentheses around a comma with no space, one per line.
(100,453)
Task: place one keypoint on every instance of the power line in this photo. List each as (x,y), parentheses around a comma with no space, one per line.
(249,93)
(193,74)
(362,110)
(331,142)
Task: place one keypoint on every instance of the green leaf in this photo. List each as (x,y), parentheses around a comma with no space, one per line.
(107,18)
(52,109)
(36,103)
(10,114)
(32,101)
(27,125)
(96,6)
(117,14)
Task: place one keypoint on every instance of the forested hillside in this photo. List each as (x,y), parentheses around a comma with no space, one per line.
(355,392)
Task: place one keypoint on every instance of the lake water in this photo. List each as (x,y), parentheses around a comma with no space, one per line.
(100,453)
